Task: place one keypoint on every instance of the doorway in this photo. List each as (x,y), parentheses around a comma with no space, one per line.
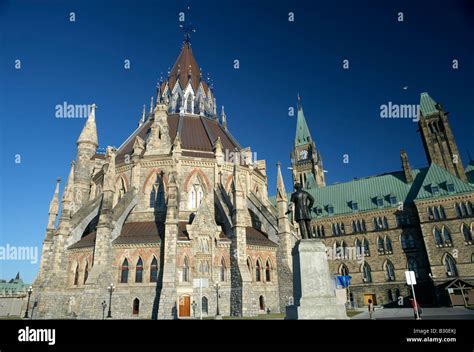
(184,306)
(371,296)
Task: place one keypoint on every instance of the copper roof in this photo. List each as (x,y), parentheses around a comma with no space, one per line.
(86,241)
(186,68)
(198,134)
(140,232)
(258,238)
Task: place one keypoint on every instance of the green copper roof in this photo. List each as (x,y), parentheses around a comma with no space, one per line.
(470,172)
(427,104)
(390,186)
(439,177)
(302,131)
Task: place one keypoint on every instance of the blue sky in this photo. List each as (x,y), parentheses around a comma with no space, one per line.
(81,62)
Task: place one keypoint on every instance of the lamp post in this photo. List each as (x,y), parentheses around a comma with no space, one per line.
(104,307)
(30,291)
(111,289)
(217,286)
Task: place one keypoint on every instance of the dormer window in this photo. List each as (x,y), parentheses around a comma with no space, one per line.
(393,200)
(435,190)
(354,206)
(450,187)
(330,210)
(379,201)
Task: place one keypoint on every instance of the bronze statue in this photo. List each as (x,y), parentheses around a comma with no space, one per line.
(303,203)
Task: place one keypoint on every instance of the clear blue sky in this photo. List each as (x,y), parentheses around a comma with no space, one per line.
(81,62)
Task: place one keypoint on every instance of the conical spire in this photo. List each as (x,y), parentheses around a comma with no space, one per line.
(17,277)
(89,132)
(427,104)
(223,118)
(302,131)
(68,194)
(281,192)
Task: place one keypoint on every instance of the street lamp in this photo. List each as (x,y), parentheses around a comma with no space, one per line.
(111,289)
(30,291)
(104,307)
(217,286)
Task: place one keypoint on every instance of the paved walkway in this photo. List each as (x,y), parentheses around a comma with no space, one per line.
(428,313)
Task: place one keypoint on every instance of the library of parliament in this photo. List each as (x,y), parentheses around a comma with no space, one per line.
(140,223)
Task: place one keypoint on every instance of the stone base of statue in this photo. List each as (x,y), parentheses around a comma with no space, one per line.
(313,290)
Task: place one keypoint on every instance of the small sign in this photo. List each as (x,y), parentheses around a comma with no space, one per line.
(410,276)
(204,283)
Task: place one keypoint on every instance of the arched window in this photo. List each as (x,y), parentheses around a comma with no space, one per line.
(450,266)
(178,103)
(366,273)
(86,273)
(157,194)
(413,266)
(437,235)
(389,271)
(437,215)
(388,244)
(124,272)
(359,248)
(343,270)
(154,270)
(446,234)
(205,305)
(380,244)
(189,104)
(136,306)
(442,213)
(139,270)
(258,271)
(366,247)
(76,275)
(466,231)
(385,223)
(458,210)
(185,276)
(222,272)
(430,213)
(344,250)
(196,194)
(268,271)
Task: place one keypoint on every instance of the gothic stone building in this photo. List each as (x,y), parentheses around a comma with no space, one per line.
(179,200)
(376,228)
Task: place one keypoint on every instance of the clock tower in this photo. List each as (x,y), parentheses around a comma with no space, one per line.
(305,158)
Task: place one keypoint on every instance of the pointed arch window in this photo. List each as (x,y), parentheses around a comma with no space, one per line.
(86,273)
(359,248)
(467,233)
(366,247)
(408,241)
(139,271)
(389,271)
(446,235)
(343,270)
(124,272)
(185,274)
(154,270)
(76,275)
(437,236)
(366,273)
(388,244)
(157,194)
(196,194)
(189,104)
(258,271)
(380,244)
(268,271)
(450,266)
(205,305)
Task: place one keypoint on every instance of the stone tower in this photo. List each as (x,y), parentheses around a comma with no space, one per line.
(306,160)
(438,139)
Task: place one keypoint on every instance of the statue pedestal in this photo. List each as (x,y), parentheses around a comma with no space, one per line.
(314,295)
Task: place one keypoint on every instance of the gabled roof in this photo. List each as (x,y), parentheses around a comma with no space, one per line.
(427,104)
(438,176)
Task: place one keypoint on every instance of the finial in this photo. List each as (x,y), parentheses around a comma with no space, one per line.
(151,105)
(278,163)
(58,180)
(187,28)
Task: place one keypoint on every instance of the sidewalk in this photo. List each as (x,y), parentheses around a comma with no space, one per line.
(428,313)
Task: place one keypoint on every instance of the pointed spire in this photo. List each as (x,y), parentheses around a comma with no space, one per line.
(151,105)
(427,105)
(89,132)
(17,277)
(302,131)
(68,189)
(142,118)
(223,118)
(281,192)
(54,206)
